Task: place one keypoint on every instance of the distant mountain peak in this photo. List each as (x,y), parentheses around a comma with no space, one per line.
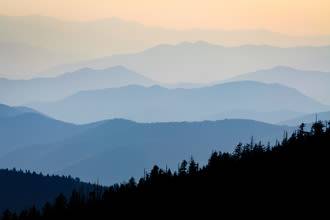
(312,83)
(10,111)
(69,83)
(157,87)
(119,68)
(283,68)
(84,69)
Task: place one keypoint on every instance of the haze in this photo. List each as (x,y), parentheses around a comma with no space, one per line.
(295,17)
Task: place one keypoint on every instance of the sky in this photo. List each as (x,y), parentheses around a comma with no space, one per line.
(294,17)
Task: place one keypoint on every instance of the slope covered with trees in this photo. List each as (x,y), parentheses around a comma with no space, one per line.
(112,151)
(289,176)
(22,189)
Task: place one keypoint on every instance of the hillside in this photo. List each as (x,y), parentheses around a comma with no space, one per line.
(112,151)
(20,190)
(21,126)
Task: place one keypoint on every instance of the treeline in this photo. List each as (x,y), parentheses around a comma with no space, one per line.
(20,189)
(290,176)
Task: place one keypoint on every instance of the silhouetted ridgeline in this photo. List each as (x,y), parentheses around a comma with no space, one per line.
(290,176)
(21,189)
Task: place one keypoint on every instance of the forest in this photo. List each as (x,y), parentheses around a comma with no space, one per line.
(291,176)
(20,189)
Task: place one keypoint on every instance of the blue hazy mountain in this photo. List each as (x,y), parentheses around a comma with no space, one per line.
(111,151)
(269,116)
(307,119)
(20,126)
(202,62)
(152,104)
(314,84)
(8,111)
(46,89)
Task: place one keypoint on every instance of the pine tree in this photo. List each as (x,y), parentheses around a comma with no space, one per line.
(183,168)
(193,167)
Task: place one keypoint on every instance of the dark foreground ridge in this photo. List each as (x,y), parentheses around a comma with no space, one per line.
(290,176)
(21,189)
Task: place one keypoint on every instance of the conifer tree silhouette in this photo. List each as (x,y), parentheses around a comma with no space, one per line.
(252,180)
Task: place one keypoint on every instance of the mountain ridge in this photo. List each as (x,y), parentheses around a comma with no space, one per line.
(31,127)
(42,32)
(164,104)
(310,82)
(307,119)
(208,62)
(54,88)
(99,152)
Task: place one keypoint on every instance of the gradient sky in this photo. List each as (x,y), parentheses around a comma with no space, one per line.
(295,17)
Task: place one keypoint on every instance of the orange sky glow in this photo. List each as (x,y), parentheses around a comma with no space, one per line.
(295,17)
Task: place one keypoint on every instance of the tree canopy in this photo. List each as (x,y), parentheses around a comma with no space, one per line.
(289,176)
